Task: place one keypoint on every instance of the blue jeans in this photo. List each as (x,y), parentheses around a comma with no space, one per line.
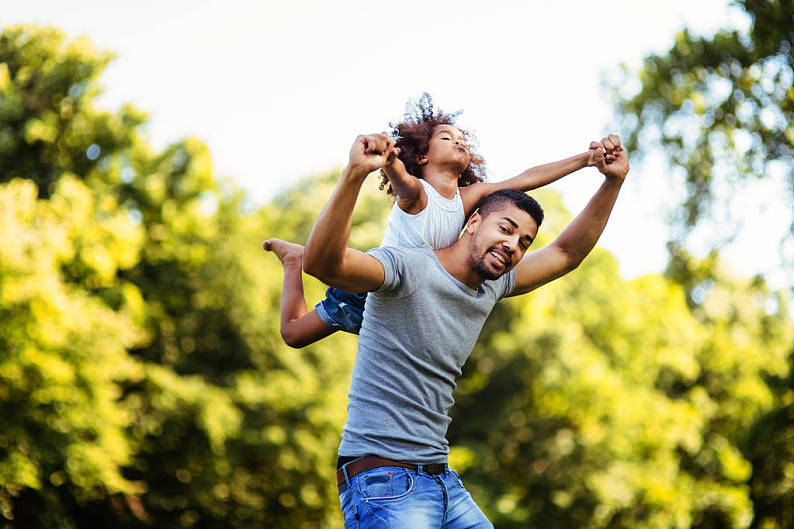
(400,498)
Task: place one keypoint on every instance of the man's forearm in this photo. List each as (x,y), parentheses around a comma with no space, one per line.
(326,245)
(581,235)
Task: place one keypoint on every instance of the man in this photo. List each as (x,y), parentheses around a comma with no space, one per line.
(437,181)
(421,321)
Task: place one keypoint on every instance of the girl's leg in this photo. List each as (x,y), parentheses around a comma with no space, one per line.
(299,328)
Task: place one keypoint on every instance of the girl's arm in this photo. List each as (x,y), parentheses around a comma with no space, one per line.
(411,196)
(532,178)
(576,241)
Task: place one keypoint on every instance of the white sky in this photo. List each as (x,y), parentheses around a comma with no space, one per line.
(279,90)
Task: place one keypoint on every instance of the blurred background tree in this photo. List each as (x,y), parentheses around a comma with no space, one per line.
(143,381)
(721,109)
(601,402)
(213,419)
(64,352)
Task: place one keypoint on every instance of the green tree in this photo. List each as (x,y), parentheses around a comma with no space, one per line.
(721,107)
(143,382)
(600,402)
(769,445)
(50,124)
(219,423)
(64,352)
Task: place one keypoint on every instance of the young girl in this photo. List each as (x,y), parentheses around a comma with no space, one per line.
(438,183)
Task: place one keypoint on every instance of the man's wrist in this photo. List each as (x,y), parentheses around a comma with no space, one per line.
(616,180)
(354,173)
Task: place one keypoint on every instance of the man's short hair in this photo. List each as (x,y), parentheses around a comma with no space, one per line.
(496,200)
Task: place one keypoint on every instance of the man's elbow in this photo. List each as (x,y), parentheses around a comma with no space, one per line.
(328,273)
(314,262)
(318,270)
(311,267)
(573,265)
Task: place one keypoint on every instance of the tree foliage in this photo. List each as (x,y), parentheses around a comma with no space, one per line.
(599,402)
(721,107)
(64,351)
(143,382)
(147,257)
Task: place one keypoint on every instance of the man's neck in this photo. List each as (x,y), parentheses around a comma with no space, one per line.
(455,260)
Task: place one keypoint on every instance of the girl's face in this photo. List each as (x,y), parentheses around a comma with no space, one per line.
(447,147)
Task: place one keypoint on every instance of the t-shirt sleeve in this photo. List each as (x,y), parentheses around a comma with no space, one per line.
(508,282)
(400,267)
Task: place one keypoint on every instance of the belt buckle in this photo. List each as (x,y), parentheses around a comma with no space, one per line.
(434,468)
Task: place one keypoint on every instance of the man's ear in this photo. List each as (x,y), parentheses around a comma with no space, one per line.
(473,222)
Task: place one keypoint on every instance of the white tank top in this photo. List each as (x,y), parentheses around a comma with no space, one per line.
(438,225)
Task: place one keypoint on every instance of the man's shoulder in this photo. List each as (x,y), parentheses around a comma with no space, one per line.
(403,267)
(414,252)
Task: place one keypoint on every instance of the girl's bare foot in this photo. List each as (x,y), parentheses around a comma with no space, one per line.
(288,253)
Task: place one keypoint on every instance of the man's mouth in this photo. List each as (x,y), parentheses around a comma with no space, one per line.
(499,256)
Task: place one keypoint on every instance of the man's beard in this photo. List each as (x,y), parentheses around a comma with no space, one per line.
(477,262)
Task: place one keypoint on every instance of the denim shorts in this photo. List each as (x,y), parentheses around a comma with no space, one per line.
(343,311)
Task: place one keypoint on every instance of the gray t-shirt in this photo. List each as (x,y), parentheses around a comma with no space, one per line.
(419,328)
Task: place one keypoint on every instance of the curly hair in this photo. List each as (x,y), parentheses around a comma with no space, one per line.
(413,135)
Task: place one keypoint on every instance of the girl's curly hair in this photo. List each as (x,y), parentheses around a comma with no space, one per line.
(413,138)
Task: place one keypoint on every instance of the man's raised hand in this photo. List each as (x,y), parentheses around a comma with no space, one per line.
(370,152)
(610,158)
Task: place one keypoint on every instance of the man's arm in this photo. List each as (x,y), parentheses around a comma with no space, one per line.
(326,255)
(532,178)
(570,248)
(411,195)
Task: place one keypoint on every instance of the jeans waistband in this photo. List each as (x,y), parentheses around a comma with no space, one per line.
(351,468)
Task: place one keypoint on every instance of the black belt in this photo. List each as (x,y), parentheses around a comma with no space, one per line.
(365,463)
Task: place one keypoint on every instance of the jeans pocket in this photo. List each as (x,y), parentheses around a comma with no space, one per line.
(351,517)
(386,484)
(457,478)
(350,509)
